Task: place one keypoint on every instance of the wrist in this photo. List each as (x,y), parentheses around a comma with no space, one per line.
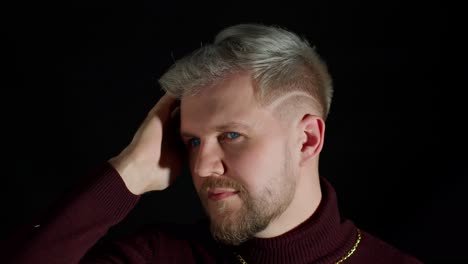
(128,172)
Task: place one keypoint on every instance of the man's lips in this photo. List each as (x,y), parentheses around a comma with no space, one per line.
(219,194)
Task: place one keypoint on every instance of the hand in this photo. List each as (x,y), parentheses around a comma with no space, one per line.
(156,154)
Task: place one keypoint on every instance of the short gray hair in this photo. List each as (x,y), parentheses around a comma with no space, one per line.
(279,61)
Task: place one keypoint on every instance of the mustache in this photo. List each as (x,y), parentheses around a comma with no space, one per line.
(217,182)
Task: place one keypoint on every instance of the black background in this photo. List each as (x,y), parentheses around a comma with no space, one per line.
(78,81)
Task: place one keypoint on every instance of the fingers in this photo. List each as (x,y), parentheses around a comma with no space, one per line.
(166,107)
(175,112)
(165,101)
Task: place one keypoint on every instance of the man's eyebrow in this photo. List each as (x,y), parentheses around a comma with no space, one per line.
(222,127)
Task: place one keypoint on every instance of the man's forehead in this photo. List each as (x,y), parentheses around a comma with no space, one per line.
(226,104)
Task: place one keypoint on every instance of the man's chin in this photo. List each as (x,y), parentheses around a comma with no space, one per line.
(231,228)
(222,209)
(228,234)
(222,216)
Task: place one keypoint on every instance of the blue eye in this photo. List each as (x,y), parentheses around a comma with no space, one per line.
(233,135)
(194,142)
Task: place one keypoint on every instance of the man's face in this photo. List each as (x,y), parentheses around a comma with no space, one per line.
(240,159)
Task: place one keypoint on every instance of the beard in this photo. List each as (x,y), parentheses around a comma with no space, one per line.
(233,227)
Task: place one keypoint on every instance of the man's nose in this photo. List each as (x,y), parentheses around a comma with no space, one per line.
(208,160)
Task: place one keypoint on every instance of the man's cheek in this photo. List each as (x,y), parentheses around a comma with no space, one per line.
(197,182)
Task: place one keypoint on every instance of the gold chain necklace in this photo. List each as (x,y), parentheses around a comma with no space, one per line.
(350,252)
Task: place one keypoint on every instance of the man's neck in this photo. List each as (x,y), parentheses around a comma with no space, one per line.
(306,200)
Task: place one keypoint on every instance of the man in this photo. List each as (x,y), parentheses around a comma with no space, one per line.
(252,108)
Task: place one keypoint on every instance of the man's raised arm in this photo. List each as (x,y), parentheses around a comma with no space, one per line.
(149,163)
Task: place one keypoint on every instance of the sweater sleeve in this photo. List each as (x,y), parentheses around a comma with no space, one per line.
(74,226)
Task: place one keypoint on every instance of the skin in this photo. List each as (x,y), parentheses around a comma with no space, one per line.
(269,165)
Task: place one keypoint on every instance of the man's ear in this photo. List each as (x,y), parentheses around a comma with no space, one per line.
(312,133)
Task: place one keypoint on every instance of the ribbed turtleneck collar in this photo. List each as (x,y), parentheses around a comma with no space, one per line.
(323,238)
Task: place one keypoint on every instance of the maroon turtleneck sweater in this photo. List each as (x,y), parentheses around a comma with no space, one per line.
(71,232)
